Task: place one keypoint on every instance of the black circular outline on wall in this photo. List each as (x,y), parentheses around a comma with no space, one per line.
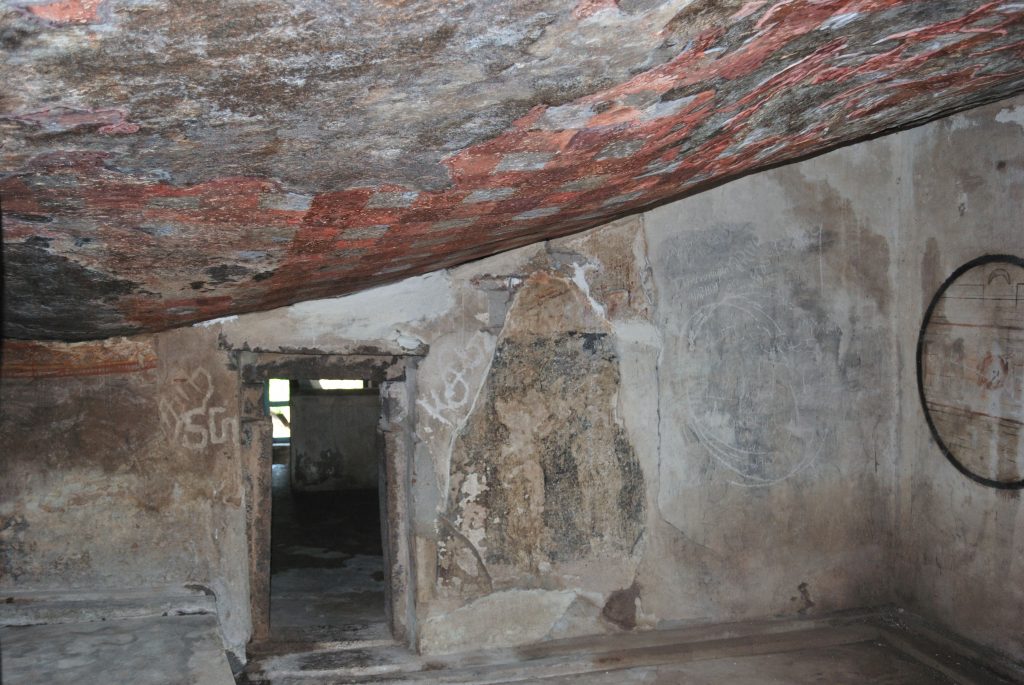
(985,259)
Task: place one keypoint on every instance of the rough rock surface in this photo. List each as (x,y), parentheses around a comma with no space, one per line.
(168,162)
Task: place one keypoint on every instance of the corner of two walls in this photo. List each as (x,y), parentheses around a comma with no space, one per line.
(121,473)
(703,414)
(960,543)
(763,381)
(680,417)
(677,417)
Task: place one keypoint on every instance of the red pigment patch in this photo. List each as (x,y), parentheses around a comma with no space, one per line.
(120,128)
(62,119)
(55,360)
(586,8)
(527,184)
(68,11)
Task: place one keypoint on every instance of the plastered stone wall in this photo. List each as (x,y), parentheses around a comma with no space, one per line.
(961,543)
(777,382)
(699,414)
(121,472)
(686,416)
(527,469)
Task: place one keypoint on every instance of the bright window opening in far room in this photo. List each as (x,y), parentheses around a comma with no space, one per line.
(279,401)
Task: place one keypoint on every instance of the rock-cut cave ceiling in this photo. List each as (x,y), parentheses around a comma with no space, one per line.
(171,161)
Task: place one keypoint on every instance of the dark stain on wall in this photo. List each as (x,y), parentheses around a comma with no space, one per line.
(562,485)
(15,548)
(31,268)
(848,247)
(620,608)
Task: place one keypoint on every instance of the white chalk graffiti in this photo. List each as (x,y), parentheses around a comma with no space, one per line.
(188,419)
(448,404)
(745,408)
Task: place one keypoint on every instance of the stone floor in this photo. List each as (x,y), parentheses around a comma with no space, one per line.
(157,650)
(328,627)
(327,565)
(855,648)
(865,662)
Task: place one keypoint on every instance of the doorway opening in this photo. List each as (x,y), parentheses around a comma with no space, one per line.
(326,447)
(327,557)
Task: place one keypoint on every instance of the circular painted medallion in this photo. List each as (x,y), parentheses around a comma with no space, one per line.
(970,369)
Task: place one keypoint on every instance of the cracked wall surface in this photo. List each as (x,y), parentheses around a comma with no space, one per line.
(700,414)
(542,471)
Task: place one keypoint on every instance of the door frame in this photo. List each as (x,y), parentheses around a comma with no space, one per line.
(395,376)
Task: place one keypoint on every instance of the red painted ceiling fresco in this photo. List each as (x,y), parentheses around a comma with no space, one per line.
(167,162)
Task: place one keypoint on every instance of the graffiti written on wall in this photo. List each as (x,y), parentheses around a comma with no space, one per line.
(748,407)
(188,419)
(448,403)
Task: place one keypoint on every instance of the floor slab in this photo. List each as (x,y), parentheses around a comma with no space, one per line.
(866,662)
(157,650)
(327,565)
(855,647)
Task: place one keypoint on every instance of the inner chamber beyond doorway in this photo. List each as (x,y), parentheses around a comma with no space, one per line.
(327,570)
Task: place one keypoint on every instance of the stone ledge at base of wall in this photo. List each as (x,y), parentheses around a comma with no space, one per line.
(28,607)
(154,650)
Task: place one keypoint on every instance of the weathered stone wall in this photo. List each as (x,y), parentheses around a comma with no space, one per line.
(777,386)
(121,472)
(684,416)
(961,543)
(705,413)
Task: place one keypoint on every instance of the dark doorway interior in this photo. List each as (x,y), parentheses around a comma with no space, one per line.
(327,566)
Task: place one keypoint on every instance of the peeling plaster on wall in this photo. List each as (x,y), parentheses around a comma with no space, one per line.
(461,350)
(463,366)
(579,277)
(544,436)
(1013,115)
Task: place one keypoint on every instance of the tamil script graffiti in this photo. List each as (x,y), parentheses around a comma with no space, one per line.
(188,419)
